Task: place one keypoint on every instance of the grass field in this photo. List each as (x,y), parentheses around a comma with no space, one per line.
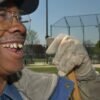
(42,69)
(46,68)
(98,69)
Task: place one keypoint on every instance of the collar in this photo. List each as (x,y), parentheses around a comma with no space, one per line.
(12,92)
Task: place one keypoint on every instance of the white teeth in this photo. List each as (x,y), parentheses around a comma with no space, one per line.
(7,45)
(3,45)
(13,45)
(20,46)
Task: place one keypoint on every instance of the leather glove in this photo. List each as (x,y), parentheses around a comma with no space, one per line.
(70,54)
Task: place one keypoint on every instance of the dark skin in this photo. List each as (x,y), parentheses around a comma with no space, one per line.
(11,58)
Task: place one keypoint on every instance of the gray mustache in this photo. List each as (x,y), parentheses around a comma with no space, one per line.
(10,38)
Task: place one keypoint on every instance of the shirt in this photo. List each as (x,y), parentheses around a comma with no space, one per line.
(10,93)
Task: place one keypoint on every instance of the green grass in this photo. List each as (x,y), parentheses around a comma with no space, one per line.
(51,70)
(98,69)
(43,68)
(47,70)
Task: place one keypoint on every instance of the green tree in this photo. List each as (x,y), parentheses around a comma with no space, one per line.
(97,47)
(32,37)
(89,47)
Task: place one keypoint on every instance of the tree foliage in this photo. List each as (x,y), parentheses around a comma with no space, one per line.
(32,37)
(97,47)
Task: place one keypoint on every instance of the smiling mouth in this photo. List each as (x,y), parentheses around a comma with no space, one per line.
(14,48)
(13,45)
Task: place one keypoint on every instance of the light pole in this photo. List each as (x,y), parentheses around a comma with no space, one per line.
(46,19)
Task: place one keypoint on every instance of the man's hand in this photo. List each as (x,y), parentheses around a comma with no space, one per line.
(70,54)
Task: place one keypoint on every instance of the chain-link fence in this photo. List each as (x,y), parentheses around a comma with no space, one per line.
(86,28)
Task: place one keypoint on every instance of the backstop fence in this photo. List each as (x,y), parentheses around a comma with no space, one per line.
(86,28)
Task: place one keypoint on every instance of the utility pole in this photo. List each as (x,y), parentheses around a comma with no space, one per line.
(46,19)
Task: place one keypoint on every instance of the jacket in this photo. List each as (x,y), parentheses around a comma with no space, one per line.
(43,86)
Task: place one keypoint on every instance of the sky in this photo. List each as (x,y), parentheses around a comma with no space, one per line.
(58,9)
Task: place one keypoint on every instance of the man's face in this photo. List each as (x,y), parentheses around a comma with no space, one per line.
(12,37)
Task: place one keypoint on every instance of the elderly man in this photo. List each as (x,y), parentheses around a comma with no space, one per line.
(19,83)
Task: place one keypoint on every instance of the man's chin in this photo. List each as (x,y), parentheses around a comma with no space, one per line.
(18,68)
(15,69)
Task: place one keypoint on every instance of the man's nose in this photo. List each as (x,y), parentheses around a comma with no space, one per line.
(17,26)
